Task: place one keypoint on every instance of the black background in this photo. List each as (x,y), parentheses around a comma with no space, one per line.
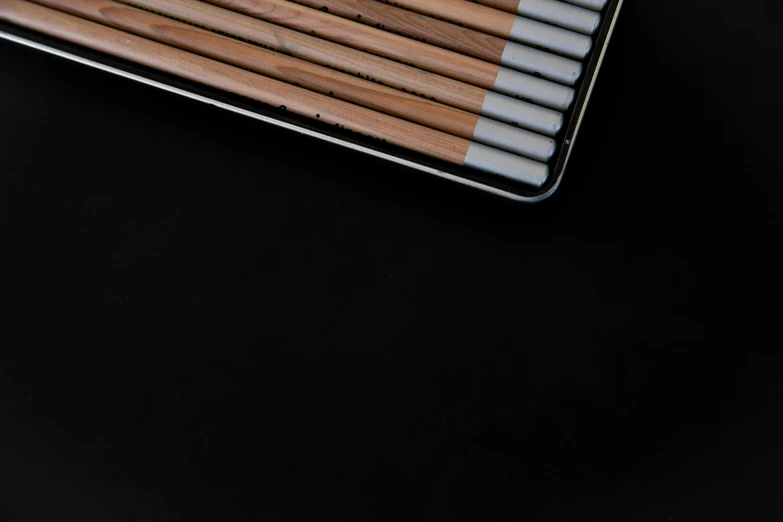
(208,318)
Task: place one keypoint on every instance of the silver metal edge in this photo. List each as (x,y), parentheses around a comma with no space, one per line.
(559,179)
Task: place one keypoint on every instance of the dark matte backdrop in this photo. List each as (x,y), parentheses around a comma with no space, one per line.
(207,318)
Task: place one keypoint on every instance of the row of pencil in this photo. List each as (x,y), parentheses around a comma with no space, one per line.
(483,84)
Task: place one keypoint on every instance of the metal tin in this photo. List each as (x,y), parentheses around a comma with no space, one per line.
(463,175)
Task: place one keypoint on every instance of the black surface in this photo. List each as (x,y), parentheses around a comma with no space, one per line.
(210,319)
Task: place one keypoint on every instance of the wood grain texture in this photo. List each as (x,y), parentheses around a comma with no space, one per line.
(359,36)
(387,72)
(417,26)
(232,79)
(272,64)
(479,17)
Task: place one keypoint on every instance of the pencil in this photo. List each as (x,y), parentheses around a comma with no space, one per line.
(215,74)
(411,52)
(313,77)
(421,83)
(504,25)
(454,37)
(555,12)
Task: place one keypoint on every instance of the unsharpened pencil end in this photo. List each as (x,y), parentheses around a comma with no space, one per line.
(522,114)
(560,14)
(588,47)
(556,39)
(513,139)
(597,24)
(541,92)
(577,74)
(559,125)
(507,165)
(541,63)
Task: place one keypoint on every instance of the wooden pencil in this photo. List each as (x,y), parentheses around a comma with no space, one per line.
(503,24)
(215,74)
(408,51)
(457,38)
(555,12)
(310,76)
(422,83)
